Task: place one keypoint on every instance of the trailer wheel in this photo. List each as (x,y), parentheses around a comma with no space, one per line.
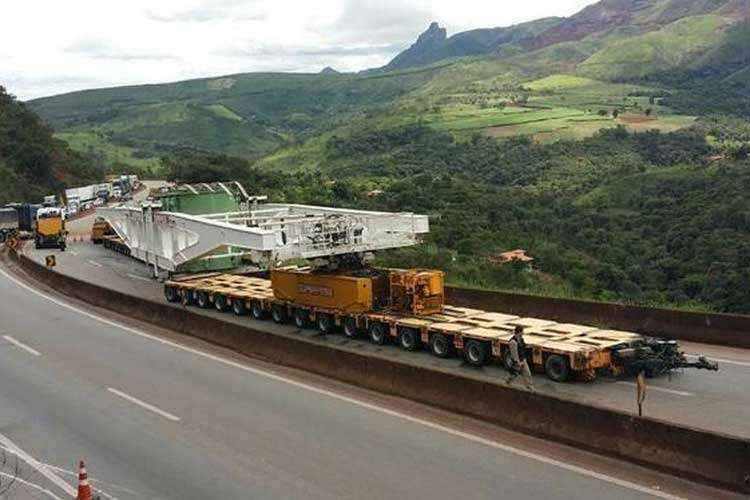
(220,303)
(408,339)
(238,307)
(278,314)
(350,328)
(300,318)
(557,368)
(440,345)
(256,308)
(203,300)
(325,323)
(378,333)
(476,353)
(171,294)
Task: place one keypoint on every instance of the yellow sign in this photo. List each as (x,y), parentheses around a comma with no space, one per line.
(50,261)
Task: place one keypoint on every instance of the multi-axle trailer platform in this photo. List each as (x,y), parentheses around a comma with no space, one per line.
(562,351)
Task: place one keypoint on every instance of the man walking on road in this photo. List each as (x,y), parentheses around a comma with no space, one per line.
(519,365)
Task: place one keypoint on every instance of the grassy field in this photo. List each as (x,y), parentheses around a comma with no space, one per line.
(98,144)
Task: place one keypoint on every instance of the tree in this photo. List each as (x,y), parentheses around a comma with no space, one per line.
(603,112)
(648,111)
(615,113)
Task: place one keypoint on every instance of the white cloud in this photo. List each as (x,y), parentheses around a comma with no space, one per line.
(48,47)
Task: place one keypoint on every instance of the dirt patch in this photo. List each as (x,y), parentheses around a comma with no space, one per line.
(506,131)
(635,119)
(544,137)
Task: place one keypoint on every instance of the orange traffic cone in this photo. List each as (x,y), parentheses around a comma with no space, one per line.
(84,490)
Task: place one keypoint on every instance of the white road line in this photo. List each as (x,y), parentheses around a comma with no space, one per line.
(662,389)
(145,405)
(73,253)
(94,263)
(272,376)
(40,467)
(136,277)
(22,345)
(18,480)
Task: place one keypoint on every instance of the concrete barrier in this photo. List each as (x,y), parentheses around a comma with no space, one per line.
(704,456)
(722,329)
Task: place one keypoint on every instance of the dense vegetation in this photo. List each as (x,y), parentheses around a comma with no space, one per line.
(620,216)
(32,162)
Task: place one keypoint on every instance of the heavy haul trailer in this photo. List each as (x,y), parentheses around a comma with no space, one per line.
(114,242)
(562,351)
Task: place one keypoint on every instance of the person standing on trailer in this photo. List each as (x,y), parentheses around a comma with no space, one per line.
(519,365)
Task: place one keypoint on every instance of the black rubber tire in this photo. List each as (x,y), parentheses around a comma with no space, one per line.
(220,303)
(301,318)
(350,328)
(409,339)
(170,293)
(557,368)
(441,345)
(202,300)
(326,323)
(256,309)
(238,307)
(378,333)
(278,314)
(476,353)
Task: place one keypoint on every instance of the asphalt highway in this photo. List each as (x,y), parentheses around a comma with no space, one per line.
(157,415)
(716,401)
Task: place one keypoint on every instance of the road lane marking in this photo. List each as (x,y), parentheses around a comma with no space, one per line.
(662,389)
(16,479)
(380,409)
(135,276)
(94,263)
(21,345)
(73,253)
(40,467)
(145,405)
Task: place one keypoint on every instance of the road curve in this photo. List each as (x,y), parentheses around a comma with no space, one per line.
(159,418)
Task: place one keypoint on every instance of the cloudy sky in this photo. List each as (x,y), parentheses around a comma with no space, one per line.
(49,46)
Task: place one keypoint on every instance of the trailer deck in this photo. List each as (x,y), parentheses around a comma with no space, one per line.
(478,335)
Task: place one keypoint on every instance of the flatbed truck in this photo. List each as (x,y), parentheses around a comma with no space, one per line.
(406,307)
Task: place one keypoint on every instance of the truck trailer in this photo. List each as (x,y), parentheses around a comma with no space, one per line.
(406,307)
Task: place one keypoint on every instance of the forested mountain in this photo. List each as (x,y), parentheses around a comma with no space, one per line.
(611,145)
(32,162)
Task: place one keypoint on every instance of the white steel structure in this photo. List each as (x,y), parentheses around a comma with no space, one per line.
(265,234)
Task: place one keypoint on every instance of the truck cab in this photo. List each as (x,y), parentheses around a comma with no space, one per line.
(50,228)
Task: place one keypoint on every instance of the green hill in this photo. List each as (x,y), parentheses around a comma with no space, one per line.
(558,69)
(34,164)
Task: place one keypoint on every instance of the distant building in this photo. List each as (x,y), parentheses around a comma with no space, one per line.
(374,193)
(514,255)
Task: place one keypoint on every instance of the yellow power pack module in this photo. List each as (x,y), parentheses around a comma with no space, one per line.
(348,294)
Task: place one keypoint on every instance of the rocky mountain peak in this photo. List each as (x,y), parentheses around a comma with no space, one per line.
(434,35)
